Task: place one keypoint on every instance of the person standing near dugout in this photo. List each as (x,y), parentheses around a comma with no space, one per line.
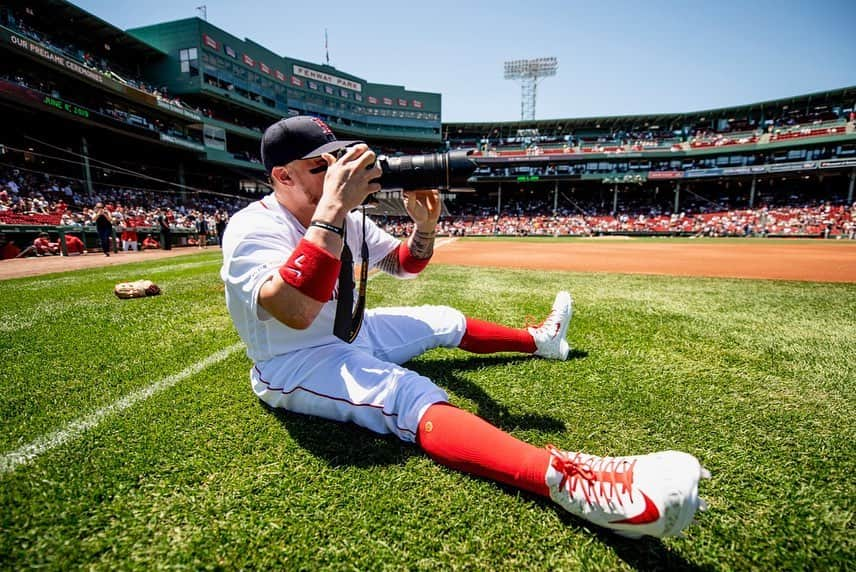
(165,230)
(286,267)
(104,226)
(202,230)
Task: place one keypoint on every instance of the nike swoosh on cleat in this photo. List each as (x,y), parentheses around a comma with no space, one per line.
(650,514)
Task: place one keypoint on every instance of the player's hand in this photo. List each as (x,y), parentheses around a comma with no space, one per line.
(348,179)
(424,207)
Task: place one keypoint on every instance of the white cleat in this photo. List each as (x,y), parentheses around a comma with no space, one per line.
(654,495)
(550,336)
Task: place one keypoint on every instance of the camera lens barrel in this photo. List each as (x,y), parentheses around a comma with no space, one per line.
(441,171)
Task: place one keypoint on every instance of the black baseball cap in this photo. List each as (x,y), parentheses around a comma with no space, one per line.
(299,137)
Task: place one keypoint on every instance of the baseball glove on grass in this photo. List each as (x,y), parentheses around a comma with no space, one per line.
(137,289)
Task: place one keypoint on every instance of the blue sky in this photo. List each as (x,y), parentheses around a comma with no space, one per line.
(617,57)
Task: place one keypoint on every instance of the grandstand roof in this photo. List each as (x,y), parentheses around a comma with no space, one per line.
(93,26)
(605,122)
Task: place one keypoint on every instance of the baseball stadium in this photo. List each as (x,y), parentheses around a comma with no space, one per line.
(711,256)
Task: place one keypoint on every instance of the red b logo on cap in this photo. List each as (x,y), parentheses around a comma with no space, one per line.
(323,126)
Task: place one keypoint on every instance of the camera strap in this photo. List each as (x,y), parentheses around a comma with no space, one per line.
(349,318)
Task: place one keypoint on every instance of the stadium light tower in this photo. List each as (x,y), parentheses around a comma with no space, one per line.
(530,72)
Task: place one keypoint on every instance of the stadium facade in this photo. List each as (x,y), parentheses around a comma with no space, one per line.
(180,106)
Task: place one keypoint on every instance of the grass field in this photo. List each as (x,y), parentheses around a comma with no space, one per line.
(126,445)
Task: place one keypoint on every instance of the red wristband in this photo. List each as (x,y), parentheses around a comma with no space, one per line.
(410,264)
(312,270)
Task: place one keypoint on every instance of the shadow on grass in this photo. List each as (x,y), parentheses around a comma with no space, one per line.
(646,554)
(346,444)
(342,444)
(649,554)
(444,374)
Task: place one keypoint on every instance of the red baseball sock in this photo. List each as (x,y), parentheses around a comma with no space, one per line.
(486,338)
(460,440)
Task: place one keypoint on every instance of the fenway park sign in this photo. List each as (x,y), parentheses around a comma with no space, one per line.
(327,78)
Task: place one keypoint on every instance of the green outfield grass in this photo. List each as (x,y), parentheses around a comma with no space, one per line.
(756,378)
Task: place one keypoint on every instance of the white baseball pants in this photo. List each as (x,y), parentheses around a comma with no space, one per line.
(363,382)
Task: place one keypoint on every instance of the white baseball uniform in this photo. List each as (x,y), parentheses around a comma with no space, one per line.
(312,371)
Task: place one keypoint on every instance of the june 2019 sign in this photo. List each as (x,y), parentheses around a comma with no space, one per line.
(65,106)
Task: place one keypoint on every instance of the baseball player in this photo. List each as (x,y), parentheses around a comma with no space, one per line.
(74,245)
(286,292)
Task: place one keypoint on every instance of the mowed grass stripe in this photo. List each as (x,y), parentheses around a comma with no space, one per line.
(10,461)
(73,347)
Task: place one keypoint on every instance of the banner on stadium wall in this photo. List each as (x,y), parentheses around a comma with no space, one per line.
(37,49)
(210,42)
(387,101)
(181,142)
(662,175)
(264,68)
(326,78)
(836,163)
(296,81)
(214,137)
(417,104)
(736,171)
(402,102)
(785,167)
(178,110)
(372,100)
(248,60)
(279,75)
(703,173)
(230,51)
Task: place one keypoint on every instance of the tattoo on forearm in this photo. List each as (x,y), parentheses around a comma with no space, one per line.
(390,264)
(422,244)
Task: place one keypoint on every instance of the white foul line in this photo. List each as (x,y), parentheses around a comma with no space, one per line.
(10,461)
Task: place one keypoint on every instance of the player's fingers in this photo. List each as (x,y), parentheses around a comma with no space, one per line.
(365,159)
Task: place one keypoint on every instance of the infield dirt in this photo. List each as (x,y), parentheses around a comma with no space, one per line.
(815,261)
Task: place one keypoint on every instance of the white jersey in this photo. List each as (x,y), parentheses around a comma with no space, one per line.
(258,240)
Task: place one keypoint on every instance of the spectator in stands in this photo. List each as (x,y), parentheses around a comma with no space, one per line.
(104,226)
(150,243)
(74,245)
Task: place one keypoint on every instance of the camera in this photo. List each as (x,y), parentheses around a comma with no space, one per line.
(441,171)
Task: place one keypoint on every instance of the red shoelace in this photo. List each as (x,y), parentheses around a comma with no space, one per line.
(597,477)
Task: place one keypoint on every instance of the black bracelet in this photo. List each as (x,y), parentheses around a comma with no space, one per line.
(328,226)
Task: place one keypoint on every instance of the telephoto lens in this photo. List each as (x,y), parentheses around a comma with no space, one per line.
(441,171)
